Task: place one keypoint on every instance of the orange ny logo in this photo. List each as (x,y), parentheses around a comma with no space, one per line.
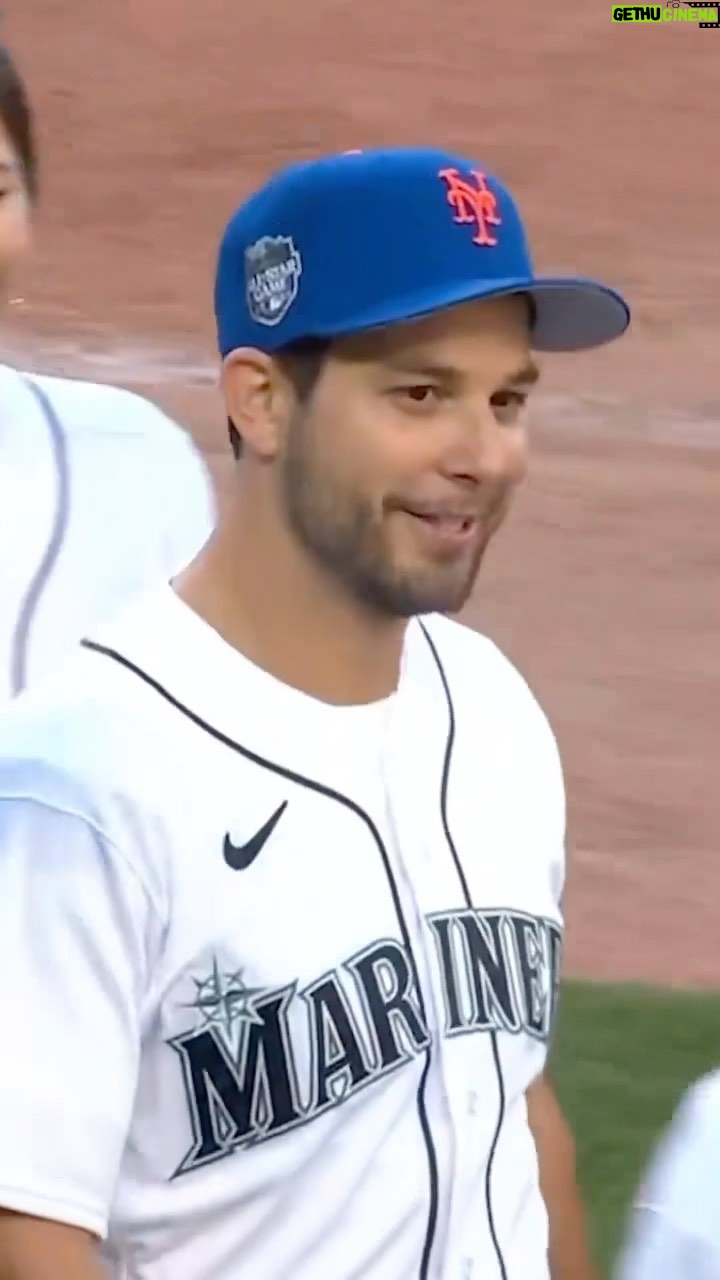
(473,204)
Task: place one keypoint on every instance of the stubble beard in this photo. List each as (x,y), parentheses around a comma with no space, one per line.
(345,536)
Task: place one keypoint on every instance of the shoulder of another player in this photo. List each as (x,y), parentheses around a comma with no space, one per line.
(698,1111)
(100,411)
(97,407)
(117,424)
(678,1184)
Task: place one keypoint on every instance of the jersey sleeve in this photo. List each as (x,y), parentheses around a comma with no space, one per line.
(73,965)
(673,1233)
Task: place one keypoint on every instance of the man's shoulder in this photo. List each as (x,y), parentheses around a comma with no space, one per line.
(100,416)
(78,402)
(90,725)
(78,751)
(67,720)
(115,437)
(471,657)
(682,1174)
(83,405)
(464,642)
(699,1108)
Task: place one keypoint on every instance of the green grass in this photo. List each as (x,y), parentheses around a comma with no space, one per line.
(622,1057)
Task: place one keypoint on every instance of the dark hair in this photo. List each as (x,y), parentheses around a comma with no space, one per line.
(301,362)
(17,117)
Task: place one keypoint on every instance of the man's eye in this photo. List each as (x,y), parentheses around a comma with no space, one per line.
(503,399)
(421,393)
(508,405)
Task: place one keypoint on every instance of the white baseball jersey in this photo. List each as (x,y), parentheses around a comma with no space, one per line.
(674,1233)
(100,494)
(279,973)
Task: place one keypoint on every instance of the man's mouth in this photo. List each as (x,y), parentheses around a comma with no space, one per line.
(452,527)
(453,523)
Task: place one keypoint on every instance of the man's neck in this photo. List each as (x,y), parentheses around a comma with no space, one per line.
(298,626)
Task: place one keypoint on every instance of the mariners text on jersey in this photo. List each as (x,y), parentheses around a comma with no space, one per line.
(299,962)
(242,1075)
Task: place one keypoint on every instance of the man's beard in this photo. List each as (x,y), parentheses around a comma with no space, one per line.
(345,535)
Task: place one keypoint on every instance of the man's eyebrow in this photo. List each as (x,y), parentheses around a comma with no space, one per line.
(525,377)
(422,367)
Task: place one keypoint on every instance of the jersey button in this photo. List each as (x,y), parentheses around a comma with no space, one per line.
(472,1102)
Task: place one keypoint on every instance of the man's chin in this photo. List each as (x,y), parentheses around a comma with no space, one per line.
(452,594)
(416,598)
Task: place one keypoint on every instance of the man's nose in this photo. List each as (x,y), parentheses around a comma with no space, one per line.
(486,451)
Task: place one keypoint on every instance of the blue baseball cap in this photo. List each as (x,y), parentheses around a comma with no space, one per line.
(357,241)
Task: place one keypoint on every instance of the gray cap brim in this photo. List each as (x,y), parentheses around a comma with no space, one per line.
(570,314)
(576,315)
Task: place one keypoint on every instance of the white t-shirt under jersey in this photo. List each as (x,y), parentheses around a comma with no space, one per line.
(137,506)
(278,974)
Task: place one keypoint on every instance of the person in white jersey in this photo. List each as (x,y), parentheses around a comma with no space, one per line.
(100,493)
(282,853)
(674,1230)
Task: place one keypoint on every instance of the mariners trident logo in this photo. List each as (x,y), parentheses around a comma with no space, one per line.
(473,203)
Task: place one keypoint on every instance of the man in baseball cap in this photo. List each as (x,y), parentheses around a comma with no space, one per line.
(393,293)
(293,840)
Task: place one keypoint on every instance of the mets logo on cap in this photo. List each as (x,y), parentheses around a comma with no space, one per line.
(273,268)
(473,203)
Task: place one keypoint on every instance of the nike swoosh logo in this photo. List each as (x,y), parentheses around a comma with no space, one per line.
(240,856)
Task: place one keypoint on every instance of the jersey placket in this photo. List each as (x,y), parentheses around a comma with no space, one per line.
(429,881)
(426,879)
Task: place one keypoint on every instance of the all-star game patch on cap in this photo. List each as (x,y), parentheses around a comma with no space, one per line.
(361,240)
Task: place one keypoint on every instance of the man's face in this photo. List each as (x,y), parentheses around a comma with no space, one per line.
(402,465)
(15,214)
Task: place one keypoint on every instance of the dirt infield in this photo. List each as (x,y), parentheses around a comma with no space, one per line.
(157,118)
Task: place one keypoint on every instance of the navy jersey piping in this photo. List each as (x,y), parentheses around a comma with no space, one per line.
(41,577)
(345,801)
(466,893)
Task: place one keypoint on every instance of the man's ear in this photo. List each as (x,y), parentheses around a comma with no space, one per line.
(257,399)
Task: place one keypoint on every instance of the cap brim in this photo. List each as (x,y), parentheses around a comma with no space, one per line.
(576,315)
(569,314)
